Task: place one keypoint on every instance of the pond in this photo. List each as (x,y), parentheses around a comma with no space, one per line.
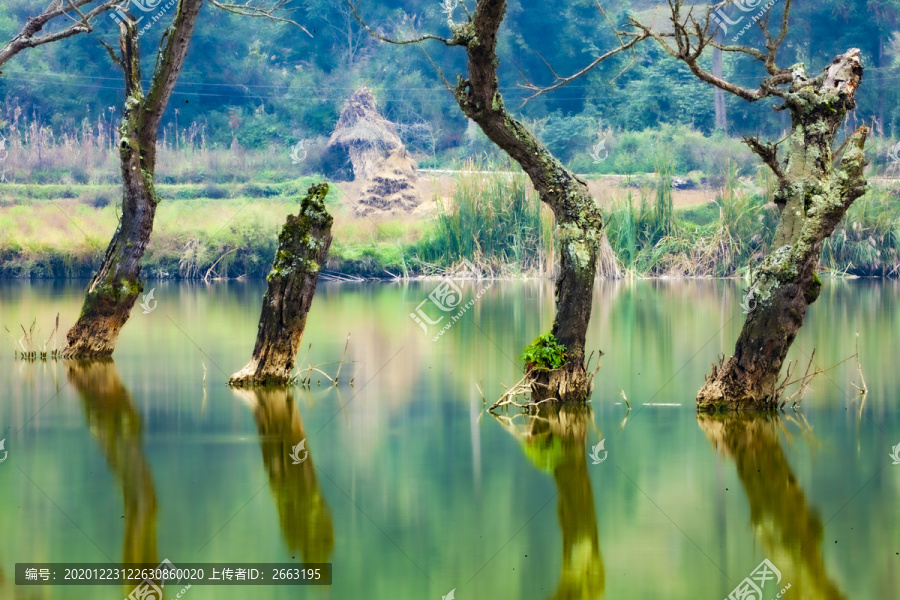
(411,490)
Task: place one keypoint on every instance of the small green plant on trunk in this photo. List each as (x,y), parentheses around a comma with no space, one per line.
(544,354)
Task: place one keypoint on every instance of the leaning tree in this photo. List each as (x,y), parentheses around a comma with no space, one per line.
(579,222)
(817,181)
(114,288)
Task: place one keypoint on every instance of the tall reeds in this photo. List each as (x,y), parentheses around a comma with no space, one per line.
(493,220)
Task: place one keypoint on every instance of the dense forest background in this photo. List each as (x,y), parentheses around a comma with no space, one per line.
(261,83)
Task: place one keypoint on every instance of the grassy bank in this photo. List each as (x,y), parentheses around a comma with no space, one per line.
(494,220)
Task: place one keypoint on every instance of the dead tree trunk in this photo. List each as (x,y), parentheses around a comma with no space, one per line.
(813,196)
(578,218)
(302,248)
(116,285)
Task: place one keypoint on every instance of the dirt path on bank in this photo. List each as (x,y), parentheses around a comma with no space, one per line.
(606,189)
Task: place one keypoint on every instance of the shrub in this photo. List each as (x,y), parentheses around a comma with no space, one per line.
(213,191)
(100,200)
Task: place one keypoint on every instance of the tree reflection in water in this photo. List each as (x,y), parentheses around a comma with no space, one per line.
(789,531)
(555,441)
(116,425)
(305,518)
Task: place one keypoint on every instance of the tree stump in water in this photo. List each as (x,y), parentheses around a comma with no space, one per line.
(302,248)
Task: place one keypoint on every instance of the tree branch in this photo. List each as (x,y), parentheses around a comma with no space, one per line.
(561,81)
(692,36)
(418,40)
(769,154)
(266,12)
(26,37)
(169,60)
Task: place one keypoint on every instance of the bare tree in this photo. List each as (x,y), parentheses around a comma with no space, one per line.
(115,287)
(579,221)
(817,183)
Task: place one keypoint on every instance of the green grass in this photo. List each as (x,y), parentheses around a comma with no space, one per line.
(495,221)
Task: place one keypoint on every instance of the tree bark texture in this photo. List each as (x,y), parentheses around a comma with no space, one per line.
(113,290)
(812,197)
(302,248)
(578,218)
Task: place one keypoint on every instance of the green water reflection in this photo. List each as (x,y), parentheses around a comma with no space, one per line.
(410,490)
(302,512)
(788,529)
(554,439)
(117,427)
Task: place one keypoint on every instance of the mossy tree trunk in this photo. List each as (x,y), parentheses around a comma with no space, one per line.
(813,196)
(813,192)
(114,288)
(578,218)
(302,248)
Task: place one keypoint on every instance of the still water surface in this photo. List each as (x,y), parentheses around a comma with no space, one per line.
(411,490)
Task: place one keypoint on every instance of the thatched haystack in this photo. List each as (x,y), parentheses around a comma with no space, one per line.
(377,155)
(364,133)
(391,188)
